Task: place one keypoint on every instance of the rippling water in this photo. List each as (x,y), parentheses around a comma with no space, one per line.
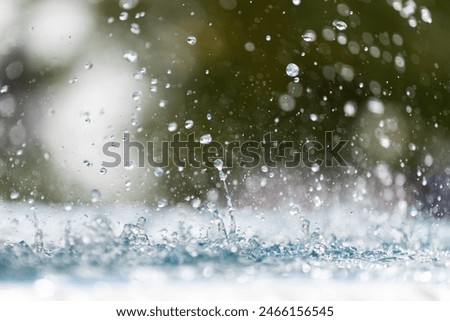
(129,244)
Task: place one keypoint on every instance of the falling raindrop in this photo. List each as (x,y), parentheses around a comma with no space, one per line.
(218,163)
(425,15)
(286,102)
(172,126)
(137,95)
(188,124)
(162,103)
(128,4)
(68,206)
(292,70)
(158,172)
(135,28)
(205,139)
(339,25)
(141,222)
(95,196)
(350,109)
(14,195)
(249,46)
(191,40)
(130,56)
(123,16)
(88,65)
(309,36)
(162,203)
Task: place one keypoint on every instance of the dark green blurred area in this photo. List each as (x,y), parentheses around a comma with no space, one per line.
(240,89)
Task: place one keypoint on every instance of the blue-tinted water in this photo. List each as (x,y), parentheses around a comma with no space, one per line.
(90,244)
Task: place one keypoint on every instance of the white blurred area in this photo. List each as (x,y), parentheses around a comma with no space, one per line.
(86,97)
(93,103)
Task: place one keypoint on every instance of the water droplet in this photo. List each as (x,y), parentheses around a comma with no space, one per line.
(339,25)
(191,40)
(286,102)
(135,29)
(188,124)
(196,203)
(305,228)
(129,165)
(4,89)
(296,2)
(47,156)
(158,172)
(249,46)
(205,139)
(218,163)
(87,163)
(309,36)
(141,222)
(162,103)
(128,4)
(162,203)
(264,169)
(428,160)
(425,15)
(73,80)
(375,106)
(139,15)
(103,171)
(123,16)
(68,206)
(316,201)
(88,65)
(137,95)
(350,109)
(315,168)
(268,38)
(293,210)
(172,126)
(130,56)
(292,70)
(208,116)
(14,195)
(399,62)
(95,195)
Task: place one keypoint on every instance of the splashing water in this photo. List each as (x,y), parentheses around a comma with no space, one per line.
(97,243)
(178,242)
(218,164)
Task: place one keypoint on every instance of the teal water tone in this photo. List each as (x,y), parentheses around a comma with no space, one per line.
(103,244)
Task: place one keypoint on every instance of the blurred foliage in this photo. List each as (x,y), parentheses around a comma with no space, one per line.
(240,88)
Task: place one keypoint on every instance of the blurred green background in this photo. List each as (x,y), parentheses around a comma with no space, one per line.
(77,74)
